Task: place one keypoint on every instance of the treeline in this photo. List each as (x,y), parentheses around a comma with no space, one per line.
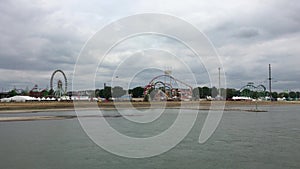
(42,93)
(198,92)
(117,91)
(292,95)
(203,92)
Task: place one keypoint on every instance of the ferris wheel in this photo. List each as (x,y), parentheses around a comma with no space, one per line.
(61,80)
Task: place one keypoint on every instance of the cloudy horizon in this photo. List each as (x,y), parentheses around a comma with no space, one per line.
(42,36)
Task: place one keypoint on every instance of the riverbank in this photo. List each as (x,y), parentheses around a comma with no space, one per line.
(36,107)
(61,106)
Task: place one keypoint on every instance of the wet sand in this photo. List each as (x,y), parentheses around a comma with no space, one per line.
(34,107)
(60,106)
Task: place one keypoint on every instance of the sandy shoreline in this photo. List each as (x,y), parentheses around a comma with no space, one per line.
(35,107)
(86,104)
(66,106)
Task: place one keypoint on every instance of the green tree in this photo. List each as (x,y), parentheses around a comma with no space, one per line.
(254,94)
(201,95)
(274,95)
(247,93)
(262,94)
(137,92)
(45,93)
(107,92)
(101,93)
(12,93)
(283,94)
(231,92)
(298,95)
(51,92)
(292,95)
(206,91)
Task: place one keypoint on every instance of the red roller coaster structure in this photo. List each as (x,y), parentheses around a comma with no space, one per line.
(162,90)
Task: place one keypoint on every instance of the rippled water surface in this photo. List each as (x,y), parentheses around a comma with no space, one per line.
(243,140)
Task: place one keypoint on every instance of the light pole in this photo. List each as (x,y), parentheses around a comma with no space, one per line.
(270,82)
(219,82)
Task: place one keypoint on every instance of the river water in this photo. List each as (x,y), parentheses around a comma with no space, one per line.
(243,140)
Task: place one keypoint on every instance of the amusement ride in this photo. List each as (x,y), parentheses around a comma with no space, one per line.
(166,87)
(61,88)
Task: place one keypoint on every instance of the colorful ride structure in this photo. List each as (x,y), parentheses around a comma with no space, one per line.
(167,88)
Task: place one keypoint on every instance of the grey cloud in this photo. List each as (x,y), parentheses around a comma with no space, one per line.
(32,41)
(246,33)
(43,36)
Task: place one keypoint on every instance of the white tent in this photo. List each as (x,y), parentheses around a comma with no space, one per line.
(5,100)
(18,99)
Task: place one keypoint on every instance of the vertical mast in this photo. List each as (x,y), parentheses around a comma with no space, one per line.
(219,82)
(270,82)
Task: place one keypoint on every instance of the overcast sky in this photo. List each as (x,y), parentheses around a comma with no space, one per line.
(38,37)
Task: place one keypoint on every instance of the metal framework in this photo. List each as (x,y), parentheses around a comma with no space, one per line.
(250,86)
(60,91)
(168,90)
